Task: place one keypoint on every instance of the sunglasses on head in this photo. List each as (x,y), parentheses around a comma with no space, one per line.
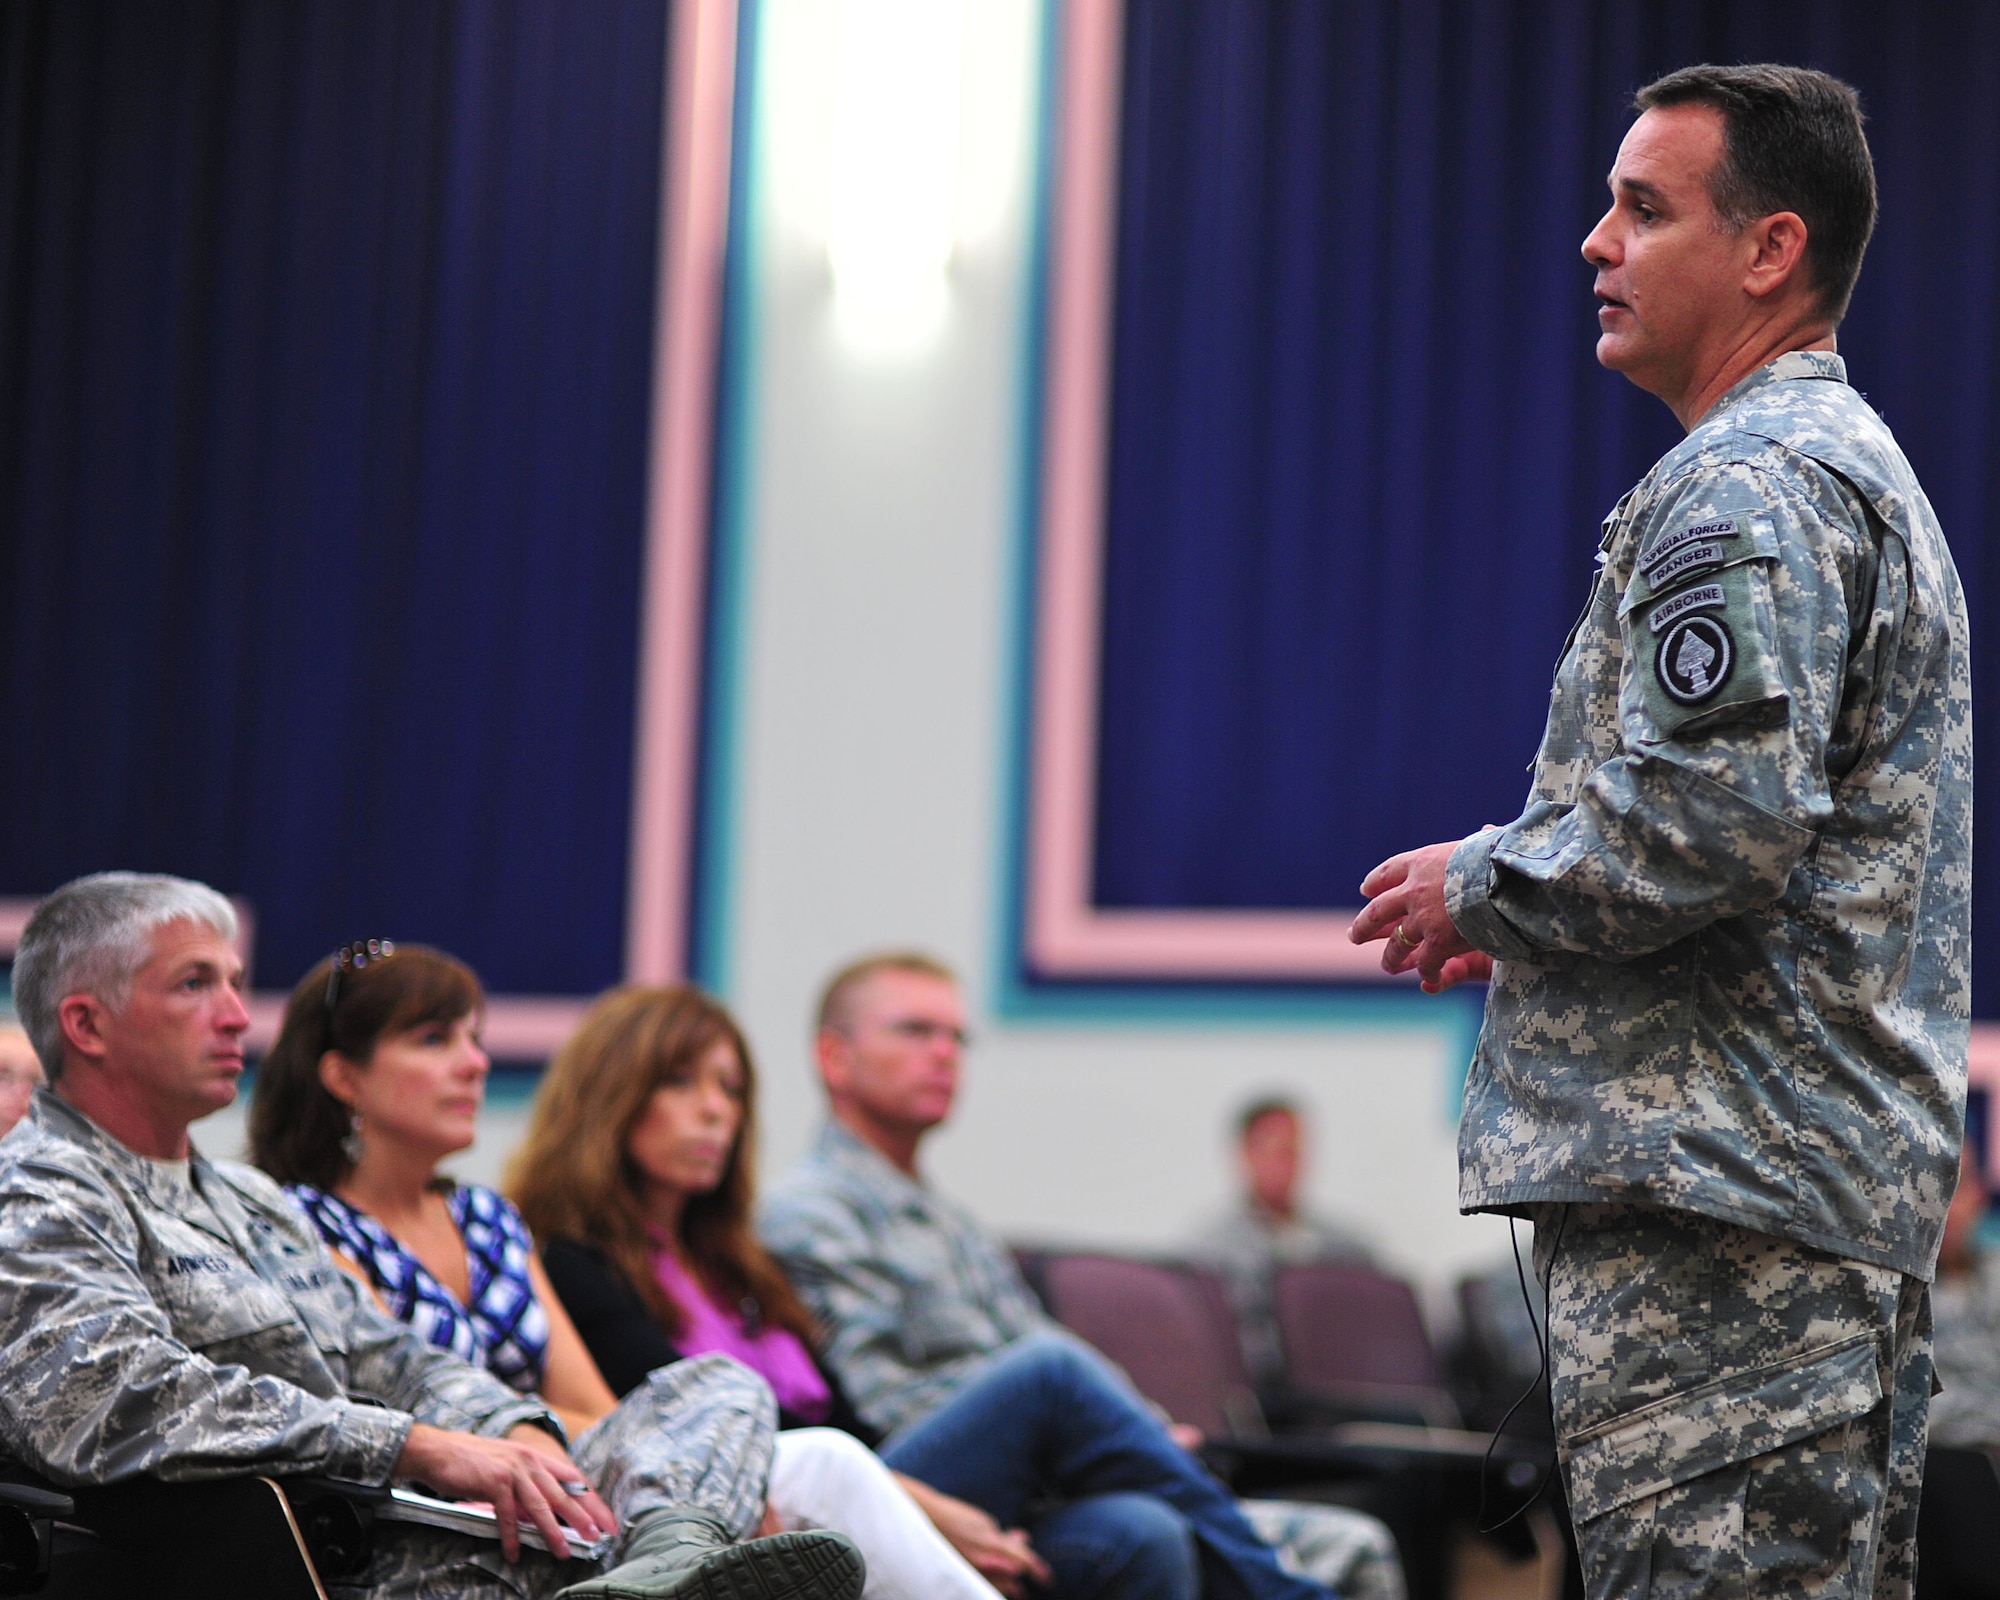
(353,957)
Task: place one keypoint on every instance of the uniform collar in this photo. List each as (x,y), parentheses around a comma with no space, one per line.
(843,1147)
(56,1117)
(1789,367)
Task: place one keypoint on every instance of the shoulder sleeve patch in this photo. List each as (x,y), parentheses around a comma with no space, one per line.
(1699,624)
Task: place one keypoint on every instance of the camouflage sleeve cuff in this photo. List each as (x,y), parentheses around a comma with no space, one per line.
(371,1440)
(1468,898)
(497,1424)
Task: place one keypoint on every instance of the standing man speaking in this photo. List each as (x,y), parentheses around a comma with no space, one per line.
(1723,1063)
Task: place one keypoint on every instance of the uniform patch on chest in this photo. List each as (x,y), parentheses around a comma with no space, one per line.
(1695,658)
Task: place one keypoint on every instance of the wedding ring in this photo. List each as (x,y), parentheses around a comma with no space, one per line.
(576,1488)
(1403,938)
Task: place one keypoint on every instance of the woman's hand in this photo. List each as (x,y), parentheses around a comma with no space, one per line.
(524,1479)
(1002,1556)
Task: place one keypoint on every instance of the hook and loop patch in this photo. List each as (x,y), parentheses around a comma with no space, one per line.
(1695,658)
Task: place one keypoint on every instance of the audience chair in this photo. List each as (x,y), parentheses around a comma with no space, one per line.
(1958,1527)
(1497,1360)
(1354,1342)
(1169,1326)
(27,1535)
(251,1538)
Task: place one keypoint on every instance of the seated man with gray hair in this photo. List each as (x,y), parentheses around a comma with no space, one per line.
(167,1317)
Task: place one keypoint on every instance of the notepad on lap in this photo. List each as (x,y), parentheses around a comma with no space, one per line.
(476,1518)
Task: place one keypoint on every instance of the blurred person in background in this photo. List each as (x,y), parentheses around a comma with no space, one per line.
(945,1350)
(376,1078)
(20,1072)
(1265,1228)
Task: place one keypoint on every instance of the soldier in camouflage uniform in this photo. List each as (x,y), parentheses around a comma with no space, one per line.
(163,1316)
(1723,1063)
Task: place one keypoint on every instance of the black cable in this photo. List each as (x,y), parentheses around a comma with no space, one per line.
(1541,1332)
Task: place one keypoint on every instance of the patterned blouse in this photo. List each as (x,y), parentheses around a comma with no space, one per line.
(502,1328)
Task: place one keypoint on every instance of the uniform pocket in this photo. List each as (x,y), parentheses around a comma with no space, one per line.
(1716,1424)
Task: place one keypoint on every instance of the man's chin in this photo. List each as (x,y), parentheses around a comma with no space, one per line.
(1613,353)
(219,1093)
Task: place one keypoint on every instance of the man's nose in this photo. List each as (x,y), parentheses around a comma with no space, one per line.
(235,1014)
(1597,244)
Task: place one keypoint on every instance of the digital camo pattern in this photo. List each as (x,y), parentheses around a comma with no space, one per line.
(1735,1413)
(1346,1551)
(1733,936)
(915,1296)
(694,1439)
(184,1322)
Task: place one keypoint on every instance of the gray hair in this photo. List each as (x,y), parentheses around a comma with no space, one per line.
(91,937)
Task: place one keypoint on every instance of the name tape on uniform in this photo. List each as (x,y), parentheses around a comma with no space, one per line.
(1695,599)
(1696,533)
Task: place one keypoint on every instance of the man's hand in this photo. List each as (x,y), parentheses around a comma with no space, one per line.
(1002,1556)
(1406,907)
(525,1479)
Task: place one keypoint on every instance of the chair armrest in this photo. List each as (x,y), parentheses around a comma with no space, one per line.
(1368,1449)
(37,1502)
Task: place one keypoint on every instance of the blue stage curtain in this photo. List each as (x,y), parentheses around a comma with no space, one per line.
(325,354)
(1361,447)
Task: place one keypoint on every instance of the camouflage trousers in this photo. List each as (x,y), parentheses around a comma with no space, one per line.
(695,1437)
(1347,1551)
(1736,1414)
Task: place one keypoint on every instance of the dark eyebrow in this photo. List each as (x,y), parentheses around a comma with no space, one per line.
(1638,188)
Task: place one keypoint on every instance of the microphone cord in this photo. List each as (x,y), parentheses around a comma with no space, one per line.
(1541,1332)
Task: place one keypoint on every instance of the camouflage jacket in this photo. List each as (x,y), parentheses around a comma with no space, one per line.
(915,1296)
(150,1331)
(1732,927)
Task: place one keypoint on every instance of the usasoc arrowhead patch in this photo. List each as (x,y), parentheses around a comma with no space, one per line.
(1695,658)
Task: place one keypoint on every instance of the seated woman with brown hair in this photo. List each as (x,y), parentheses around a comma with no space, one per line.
(376,1077)
(638,1174)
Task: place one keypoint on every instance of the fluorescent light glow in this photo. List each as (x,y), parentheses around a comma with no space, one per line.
(896,138)
(893,191)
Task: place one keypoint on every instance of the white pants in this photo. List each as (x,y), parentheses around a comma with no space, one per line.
(823,1478)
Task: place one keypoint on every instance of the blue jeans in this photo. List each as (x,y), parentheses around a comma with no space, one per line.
(1049,1421)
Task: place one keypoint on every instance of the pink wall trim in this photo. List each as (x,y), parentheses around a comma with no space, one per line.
(694,220)
(518,1027)
(1066,935)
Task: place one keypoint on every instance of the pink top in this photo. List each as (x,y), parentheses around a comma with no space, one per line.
(774,1354)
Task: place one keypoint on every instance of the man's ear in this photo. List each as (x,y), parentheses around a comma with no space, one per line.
(83,1017)
(336,1075)
(1778,253)
(830,1048)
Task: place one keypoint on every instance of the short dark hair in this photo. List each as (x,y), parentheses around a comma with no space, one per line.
(1791,141)
(1270,1105)
(296,1126)
(836,1000)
